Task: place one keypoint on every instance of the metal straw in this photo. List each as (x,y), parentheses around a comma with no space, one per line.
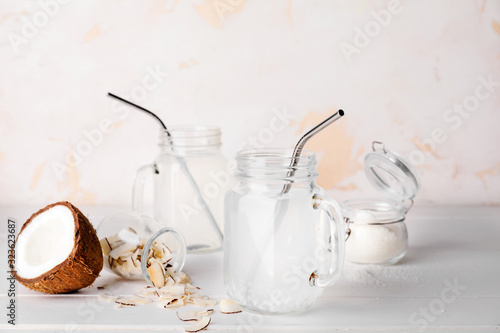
(184,167)
(282,205)
(302,142)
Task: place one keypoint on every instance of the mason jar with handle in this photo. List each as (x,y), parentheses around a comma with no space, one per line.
(190,180)
(280,248)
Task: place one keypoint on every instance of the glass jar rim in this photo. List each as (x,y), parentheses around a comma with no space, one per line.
(191,138)
(190,131)
(374,211)
(275,163)
(275,154)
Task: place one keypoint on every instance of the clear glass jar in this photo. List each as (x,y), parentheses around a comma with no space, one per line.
(280,247)
(377,231)
(130,240)
(190,179)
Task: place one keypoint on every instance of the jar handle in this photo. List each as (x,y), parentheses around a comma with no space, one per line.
(179,256)
(138,189)
(331,242)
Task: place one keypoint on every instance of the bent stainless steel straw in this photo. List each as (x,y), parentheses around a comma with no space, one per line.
(302,142)
(184,167)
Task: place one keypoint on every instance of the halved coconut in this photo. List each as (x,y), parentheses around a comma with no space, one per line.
(58,250)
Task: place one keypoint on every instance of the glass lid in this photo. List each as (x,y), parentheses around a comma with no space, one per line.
(390,173)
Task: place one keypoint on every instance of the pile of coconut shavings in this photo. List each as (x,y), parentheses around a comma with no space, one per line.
(171,289)
(123,251)
(177,292)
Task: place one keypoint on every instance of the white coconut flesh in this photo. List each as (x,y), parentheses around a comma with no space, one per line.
(45,242)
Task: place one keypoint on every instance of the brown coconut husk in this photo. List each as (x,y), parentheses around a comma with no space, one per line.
(82,266)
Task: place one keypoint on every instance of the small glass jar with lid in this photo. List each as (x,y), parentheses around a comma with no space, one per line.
(378,233)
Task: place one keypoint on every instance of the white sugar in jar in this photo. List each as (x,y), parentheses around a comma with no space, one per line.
(378,231)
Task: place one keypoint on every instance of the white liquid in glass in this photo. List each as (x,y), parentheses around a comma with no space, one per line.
(268,260)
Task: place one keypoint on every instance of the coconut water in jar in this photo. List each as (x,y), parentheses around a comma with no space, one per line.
(280,248)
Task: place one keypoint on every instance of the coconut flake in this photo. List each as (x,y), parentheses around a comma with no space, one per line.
(194,315)
(129,236)
(106,247)
(182,277)
(125,302)
(169,281)
(199,325)
(141,300)
(148,291)
(189,315)
(205,302)
(176,290)
(126,248)
(157,274)
(229,306)
(175,303)
(164,301)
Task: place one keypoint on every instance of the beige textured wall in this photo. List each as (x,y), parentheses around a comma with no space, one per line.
(422,76)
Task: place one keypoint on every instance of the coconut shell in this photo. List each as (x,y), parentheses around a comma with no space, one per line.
(82,266)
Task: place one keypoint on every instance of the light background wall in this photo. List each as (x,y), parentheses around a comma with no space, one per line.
(234,63)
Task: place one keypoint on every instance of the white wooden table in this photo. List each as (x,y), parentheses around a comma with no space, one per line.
(448,245)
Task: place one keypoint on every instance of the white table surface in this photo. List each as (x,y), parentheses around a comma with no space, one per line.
(459,244)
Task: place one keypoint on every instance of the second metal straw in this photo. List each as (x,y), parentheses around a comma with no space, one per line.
(184,167)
